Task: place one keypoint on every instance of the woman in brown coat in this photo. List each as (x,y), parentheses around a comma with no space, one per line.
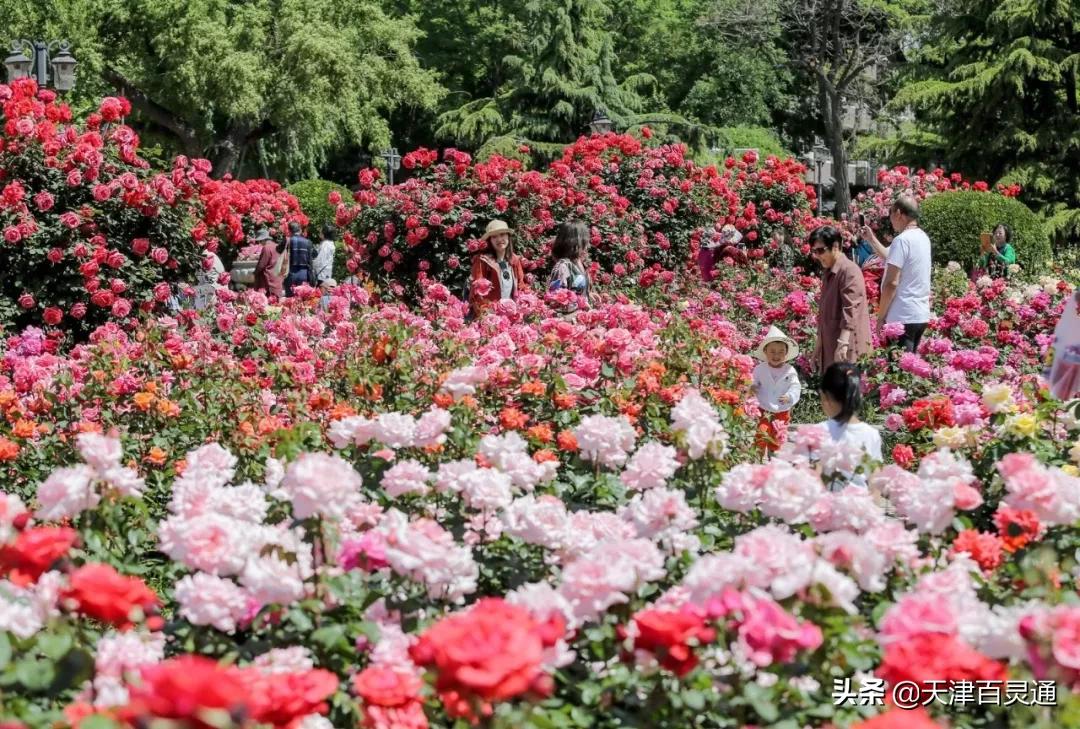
(844,315)
(496,272)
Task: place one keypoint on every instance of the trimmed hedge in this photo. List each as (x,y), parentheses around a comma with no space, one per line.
(312,195)
(954,220)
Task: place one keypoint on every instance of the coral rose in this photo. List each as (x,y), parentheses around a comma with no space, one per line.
(98,591)
(34,551)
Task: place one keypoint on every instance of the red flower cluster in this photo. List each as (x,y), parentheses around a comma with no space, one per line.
(201,693)
(928,659)
(232,210)
(984,548)
(491,652)
(98,591)
(930,412)
(34,552)
(671,636)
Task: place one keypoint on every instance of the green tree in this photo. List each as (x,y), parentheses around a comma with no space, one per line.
(290,80)
(560,74)
(995,96)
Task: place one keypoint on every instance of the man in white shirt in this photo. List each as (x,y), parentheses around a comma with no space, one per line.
(905,289)
(324,258)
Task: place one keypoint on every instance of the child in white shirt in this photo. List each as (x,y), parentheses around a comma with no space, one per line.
(841,397)
(776,384)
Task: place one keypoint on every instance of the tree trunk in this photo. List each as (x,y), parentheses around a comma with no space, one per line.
(832,114)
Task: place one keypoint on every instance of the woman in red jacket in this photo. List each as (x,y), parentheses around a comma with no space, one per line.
(496,272)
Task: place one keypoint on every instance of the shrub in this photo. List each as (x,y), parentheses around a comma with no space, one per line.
(89,232)
(312,195)
(954,220)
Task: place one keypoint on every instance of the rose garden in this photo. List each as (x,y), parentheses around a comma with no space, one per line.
(376,510)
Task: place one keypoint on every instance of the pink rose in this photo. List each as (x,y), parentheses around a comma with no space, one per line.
(53,316)
(74,178)
(121,308)
(12,234)
(55,255)
(43,200)
(78,311)
(26,301)
(103,298)
(140,246)
(160,255)
(102,192)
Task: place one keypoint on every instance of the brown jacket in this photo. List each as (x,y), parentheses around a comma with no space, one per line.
(842,306)
(265,278)
(486,267)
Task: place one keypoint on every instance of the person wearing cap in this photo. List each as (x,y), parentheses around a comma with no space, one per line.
(496,271)
(776,384)
(267,278)
(843,312)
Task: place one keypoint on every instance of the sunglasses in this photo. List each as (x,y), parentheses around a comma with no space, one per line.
(817,251)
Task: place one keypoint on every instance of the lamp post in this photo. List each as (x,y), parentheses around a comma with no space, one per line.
(20,65)
(600,123)
(393,162)
(820,154)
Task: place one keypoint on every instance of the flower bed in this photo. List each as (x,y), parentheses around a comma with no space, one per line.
(379,516)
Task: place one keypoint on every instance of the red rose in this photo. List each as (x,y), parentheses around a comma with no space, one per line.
(386,687)
(899,719)
(100,592)
(984,548)
(903,455)
(928,658)
(34,551)
(187,689)
(140,246)
(280,699)
(671,636)
(55,255)
(491,652)
(53,316)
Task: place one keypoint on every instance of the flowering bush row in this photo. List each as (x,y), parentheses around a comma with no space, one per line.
(649,209)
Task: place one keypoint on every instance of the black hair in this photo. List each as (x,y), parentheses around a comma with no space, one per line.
(571,240)
(329,231)
(826,234)
(280,241)
(294,227)
(1007,229)
(841,383)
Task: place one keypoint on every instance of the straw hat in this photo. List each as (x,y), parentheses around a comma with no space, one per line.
(775,335)
(496,226)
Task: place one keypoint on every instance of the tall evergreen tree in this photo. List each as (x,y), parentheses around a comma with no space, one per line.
(556,80)
(996,94)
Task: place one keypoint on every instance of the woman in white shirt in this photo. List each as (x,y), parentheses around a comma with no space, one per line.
(324,262)
(841,397)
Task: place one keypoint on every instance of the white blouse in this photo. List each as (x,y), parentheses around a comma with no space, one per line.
(858,434)
(770,383)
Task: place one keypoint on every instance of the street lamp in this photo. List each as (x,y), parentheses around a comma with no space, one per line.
(600,123)
(20,65)
(393,162)
(820,154)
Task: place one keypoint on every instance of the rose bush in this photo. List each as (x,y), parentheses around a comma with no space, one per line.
(649,209)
